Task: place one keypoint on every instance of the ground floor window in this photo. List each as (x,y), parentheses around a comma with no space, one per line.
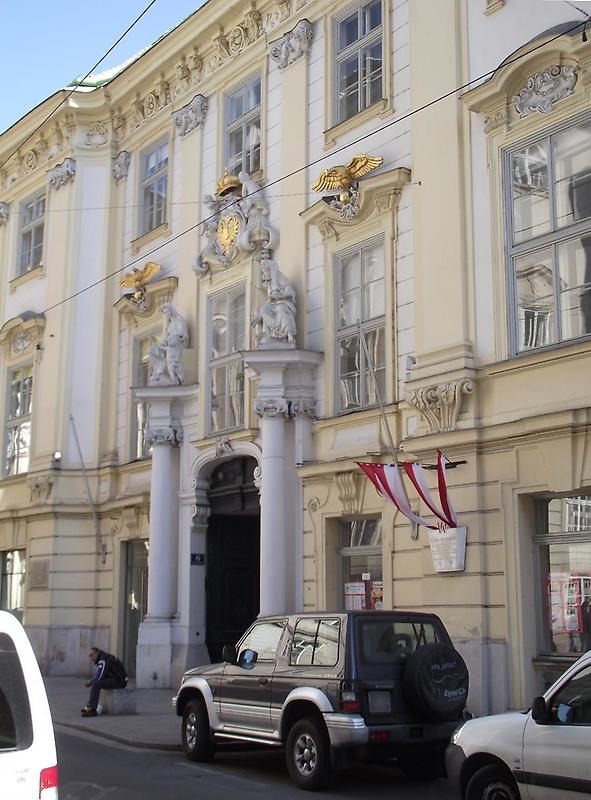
(563,540)
(12,585)
(360,548)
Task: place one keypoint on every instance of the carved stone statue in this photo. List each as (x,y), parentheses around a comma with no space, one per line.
(275,320)
(164,357)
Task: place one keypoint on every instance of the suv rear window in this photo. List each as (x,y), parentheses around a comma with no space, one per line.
(16,729)
(382,640)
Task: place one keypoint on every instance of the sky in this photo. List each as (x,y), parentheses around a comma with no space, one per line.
(46,43)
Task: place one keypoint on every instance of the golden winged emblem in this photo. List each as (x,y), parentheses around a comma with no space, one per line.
(137,279)
(343,177)
(228,228)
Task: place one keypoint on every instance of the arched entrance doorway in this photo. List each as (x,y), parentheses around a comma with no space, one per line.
(233,544)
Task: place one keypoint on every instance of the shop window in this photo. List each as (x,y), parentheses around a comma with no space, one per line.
(243,128)
(563,539)
(31,234)
(154,188)
(360,547)
(141,447)
(549,196)
(12,586)
(18,421)
(359,59)
(361,299)
(226,367)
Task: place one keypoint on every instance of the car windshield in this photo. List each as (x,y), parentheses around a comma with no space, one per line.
(16,730)
(382,640)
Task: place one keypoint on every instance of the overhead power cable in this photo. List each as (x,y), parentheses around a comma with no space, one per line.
(71,92)
(294,172)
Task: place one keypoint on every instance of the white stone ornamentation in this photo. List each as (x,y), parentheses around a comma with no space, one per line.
(191,116)
(348,487)
(240,37)
(157,436)
(440,404)
(62,174)
(545,88)
(21,341)
(165,357)
(348,209)
(40,487)
(272,407)
(303,408)
(223,447)
(121,164)
(275,321)
(293,45)
(237,224)
(4,213)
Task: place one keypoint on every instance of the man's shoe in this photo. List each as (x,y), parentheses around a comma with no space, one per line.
(88,712)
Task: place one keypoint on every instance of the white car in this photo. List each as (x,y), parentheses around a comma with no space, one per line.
(540,754)
(28,761)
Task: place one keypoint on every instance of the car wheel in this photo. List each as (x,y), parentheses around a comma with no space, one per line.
(196,733)
(491,783)
(308,754)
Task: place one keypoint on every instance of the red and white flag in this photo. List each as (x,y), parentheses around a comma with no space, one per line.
(389,483)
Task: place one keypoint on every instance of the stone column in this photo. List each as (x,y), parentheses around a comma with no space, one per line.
(274,522)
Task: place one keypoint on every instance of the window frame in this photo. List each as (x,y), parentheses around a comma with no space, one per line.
(375,550)
(134,431)
(4,574)
(379,34)
(368,326)
(146,181)
(227,292)
(555,237)
(14,422)
(241,122)
(25,228)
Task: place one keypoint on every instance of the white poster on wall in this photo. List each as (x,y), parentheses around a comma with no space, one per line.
(448,549)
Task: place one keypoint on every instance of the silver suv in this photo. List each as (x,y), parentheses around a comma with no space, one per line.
(330,688)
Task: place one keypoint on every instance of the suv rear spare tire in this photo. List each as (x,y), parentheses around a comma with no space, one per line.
(435,681)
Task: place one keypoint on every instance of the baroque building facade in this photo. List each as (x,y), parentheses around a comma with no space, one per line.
(196,343)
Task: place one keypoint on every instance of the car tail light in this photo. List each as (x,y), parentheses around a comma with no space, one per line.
(350,700)
(379,736)
(48,784)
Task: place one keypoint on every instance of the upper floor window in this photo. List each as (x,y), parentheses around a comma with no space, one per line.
(360,298)
(549,194)
(359,54)
(243,128)
(31,234)
(154,174)
(226,369)
(18,421)
(141,447)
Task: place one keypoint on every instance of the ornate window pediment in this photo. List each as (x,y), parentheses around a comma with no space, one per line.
(373,196)
(20,334)
(532,87)
(155,295)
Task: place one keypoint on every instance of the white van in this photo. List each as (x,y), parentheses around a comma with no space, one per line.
(28,761)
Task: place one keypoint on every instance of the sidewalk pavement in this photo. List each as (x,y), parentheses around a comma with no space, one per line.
(155,725)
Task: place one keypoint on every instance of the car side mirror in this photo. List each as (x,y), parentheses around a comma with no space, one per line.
(229,654)
(248,658)
(539,711)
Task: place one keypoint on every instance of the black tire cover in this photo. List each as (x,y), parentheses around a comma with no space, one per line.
(435,681)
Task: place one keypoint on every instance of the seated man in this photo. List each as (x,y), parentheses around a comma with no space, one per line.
(110,674)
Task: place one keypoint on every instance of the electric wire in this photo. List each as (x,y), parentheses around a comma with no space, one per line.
(315,162)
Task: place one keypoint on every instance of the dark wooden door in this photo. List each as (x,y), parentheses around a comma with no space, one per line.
(232,579)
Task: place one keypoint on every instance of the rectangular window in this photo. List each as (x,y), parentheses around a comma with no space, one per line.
(12,586)
(243,128)
(141,448)
(361,298)
(315,642)
(563,539)
(550,238)
(360,546)
(31,234)
(226,369)
(154,189)
(359,55)
(18,421)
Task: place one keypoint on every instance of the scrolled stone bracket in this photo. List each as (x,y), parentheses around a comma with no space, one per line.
(292,45)
(61,174)
(272,407)
(190,116)
(170,435)
(440,404)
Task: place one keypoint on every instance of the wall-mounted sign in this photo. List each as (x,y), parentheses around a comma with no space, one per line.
(448,549)
(197,559)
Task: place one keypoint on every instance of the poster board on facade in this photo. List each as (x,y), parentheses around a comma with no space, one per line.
(448,549)
(355,596)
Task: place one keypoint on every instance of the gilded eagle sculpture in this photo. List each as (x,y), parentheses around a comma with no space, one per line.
(137,280)
(343,177)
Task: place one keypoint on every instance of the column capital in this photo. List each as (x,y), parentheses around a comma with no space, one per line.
(303,408)
(168,435)
(272,407)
